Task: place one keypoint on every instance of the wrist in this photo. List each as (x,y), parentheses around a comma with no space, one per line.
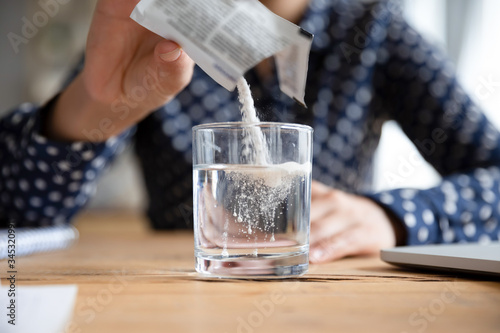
(397,226)
(77,116)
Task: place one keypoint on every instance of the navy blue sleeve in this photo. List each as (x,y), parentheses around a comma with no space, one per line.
(43,182)
(421,93)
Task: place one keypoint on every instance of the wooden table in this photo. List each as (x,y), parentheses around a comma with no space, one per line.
(131,279)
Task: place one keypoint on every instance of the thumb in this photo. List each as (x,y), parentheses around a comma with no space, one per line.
(174,66)
(168,51)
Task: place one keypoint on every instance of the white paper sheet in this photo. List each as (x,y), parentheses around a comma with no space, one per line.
(40,309)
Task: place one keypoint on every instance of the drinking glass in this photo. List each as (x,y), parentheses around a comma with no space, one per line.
(252,196)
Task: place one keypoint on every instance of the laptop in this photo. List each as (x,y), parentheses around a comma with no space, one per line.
(477,259)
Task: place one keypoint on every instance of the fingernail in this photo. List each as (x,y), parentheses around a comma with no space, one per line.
(172,55)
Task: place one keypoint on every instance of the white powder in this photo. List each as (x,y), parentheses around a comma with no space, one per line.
(277,174)
(261,193)
(262,186)
(255,149)
(248,112)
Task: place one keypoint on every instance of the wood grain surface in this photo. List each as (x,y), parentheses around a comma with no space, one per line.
(133,279)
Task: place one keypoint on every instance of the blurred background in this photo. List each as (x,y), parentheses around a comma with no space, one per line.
(468,30)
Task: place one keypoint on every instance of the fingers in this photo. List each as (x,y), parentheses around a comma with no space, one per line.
(346,243)
(326,201)
(327,227)
(343,224)
(320,207)
(318,189)
(174,68)
(205,218)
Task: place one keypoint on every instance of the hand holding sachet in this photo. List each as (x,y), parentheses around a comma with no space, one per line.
(129,72)
(227,38)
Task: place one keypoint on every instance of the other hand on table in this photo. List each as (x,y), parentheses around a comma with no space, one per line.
(344,224)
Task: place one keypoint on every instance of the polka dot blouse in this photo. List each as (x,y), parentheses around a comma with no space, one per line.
(367,65)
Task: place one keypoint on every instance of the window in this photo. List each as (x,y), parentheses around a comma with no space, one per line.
(468,29)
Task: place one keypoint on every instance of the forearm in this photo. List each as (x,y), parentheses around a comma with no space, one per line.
(42,181)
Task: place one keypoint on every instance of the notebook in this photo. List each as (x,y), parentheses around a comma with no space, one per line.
(33,240)
(463,258)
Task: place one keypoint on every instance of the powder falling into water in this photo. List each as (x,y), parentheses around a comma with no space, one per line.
(255,149)
(269,186)
(248,112)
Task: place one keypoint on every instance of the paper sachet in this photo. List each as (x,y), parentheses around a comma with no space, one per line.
(226,38)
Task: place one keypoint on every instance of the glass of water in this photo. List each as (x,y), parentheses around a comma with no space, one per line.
(252,196)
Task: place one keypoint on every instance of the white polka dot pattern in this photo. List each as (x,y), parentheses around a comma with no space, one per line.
(359,76)
(41,179)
